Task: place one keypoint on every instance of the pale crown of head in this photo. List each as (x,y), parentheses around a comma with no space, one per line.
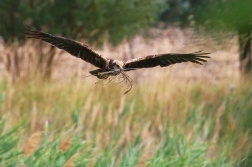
(119,63)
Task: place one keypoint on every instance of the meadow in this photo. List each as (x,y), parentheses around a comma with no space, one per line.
(184,115)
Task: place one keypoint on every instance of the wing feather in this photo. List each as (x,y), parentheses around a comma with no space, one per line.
(165,60)
(75,48)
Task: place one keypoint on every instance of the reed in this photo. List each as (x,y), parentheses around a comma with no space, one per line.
(185,115)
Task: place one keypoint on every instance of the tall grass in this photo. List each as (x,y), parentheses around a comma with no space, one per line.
(187,115)
(169,125)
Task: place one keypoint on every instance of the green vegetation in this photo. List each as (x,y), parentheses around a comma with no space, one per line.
(164,122)
(89,19)
(170,125)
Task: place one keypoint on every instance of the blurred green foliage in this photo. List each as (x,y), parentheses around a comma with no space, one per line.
(230,15)
(115,19)
(220,13)
(180,11)
(91,19)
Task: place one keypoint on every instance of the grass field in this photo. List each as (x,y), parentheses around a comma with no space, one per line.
(187,115)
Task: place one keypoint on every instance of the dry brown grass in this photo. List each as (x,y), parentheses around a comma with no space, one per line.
(223,64)
(70,162)
(33,143)
(65,143)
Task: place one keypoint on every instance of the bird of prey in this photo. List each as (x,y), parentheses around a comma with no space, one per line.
(108,67)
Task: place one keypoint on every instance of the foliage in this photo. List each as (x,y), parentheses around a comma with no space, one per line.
(149,127)
(232,15)
(91,19)
(180,11)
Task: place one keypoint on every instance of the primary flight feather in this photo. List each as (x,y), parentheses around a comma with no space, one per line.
(109,67)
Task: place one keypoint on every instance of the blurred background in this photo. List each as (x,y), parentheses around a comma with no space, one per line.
(52,114)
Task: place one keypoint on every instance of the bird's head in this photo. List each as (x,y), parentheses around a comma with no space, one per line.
(117,64)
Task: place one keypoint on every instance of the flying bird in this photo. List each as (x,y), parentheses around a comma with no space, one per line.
(109,67)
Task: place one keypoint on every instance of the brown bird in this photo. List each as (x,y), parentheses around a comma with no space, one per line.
(109,67)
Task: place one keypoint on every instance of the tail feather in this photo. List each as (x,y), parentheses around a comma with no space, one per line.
(99,73)
(95,72)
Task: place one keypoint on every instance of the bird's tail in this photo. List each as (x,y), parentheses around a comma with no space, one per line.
(99,73)
(95,72)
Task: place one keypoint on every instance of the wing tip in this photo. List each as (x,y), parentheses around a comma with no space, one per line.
(30,32)
(201,53)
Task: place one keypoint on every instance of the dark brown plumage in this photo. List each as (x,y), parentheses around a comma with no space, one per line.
(109,67)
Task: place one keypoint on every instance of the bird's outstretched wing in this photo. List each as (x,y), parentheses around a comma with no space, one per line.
(164,60)
(75,48)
